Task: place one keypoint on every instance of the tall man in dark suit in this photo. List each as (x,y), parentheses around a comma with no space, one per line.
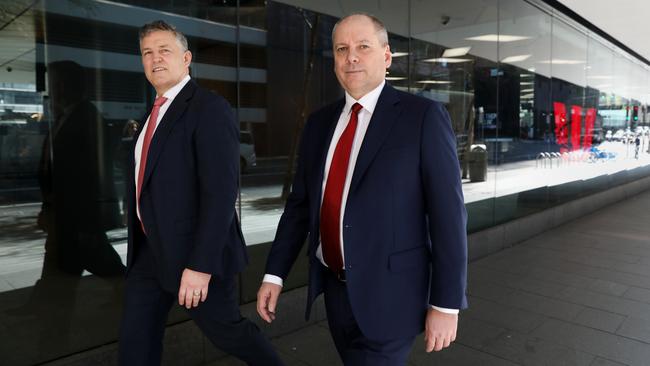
(377,192)
(185,244)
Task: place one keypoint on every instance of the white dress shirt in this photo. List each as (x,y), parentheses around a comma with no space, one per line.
(170,95)
(368,102)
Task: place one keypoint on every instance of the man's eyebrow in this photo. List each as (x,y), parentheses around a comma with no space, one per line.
(345,44)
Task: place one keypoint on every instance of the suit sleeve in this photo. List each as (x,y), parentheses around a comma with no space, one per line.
(216,154)
(294,223)
(447,217)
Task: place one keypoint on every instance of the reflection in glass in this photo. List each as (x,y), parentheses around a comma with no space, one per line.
(560,113)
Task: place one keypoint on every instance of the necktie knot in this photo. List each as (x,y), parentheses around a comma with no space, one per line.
(356,107)
(159,101)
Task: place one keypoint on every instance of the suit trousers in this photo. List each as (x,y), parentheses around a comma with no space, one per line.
(146,305)
(353,347)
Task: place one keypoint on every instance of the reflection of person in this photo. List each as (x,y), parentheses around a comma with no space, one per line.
(184,240)
(76,179)
(79,201)
(383,209)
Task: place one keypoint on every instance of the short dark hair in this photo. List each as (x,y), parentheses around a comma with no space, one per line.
(161,25)
(382,33)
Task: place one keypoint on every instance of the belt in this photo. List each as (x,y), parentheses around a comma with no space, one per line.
(339,275)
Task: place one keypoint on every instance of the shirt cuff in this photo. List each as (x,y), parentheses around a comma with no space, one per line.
(273,279)
(444,310)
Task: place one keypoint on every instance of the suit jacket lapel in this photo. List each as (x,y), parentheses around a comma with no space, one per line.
(172,114)
(383,118)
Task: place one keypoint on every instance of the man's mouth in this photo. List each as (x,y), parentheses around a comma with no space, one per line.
(159,68)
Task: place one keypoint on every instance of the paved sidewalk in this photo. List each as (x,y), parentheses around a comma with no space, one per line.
(575,295)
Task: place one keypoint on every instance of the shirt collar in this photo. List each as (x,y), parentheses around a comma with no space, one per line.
(368,101)
(174,90)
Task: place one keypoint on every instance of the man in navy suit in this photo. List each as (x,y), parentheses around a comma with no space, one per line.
(377,192)
(185,244)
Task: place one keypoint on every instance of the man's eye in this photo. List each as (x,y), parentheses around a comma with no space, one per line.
(341,49)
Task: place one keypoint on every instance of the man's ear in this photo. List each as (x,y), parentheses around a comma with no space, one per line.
(187,58)
(388,57)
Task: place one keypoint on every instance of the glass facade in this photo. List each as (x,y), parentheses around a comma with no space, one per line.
(544,112)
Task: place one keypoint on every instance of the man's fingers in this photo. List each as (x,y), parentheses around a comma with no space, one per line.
(441,329)
(188,298)
(439,343)
(267,299)
(181,296)
(196,297)
(262,303)
(273,302)
(204,294)
(430,342)
(446,342)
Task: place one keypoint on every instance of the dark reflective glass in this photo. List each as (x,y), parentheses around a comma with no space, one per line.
(544,113)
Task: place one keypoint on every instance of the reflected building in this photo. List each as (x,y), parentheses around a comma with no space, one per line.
(553,108)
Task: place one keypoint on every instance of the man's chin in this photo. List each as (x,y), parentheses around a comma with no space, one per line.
(160,82)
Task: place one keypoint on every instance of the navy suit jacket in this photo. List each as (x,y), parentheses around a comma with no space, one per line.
(187,202)
(404,225)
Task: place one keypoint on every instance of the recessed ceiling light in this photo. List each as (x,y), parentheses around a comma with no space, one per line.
(434,82)
(399,54)
(517,58)
(456,52)
(447,60)
(561,61)
(497,38)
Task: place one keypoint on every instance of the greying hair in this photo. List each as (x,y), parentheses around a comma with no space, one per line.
(380,28)
(160,25)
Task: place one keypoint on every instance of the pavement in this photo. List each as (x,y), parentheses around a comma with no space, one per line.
(575,295)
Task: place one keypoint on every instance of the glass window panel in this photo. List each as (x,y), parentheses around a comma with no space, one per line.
(525,110)
(72,93)
(453,60)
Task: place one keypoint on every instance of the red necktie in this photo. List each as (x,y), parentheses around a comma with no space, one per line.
(148,135)
(330,211)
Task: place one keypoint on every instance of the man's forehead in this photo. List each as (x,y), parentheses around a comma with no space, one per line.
(158,37)
(356,32)
(360,41)
(159,44)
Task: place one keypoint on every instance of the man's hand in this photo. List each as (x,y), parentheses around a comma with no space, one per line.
(194,287)
(440,330)
(267,300)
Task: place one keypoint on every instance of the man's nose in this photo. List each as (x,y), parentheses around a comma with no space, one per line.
(352,57)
